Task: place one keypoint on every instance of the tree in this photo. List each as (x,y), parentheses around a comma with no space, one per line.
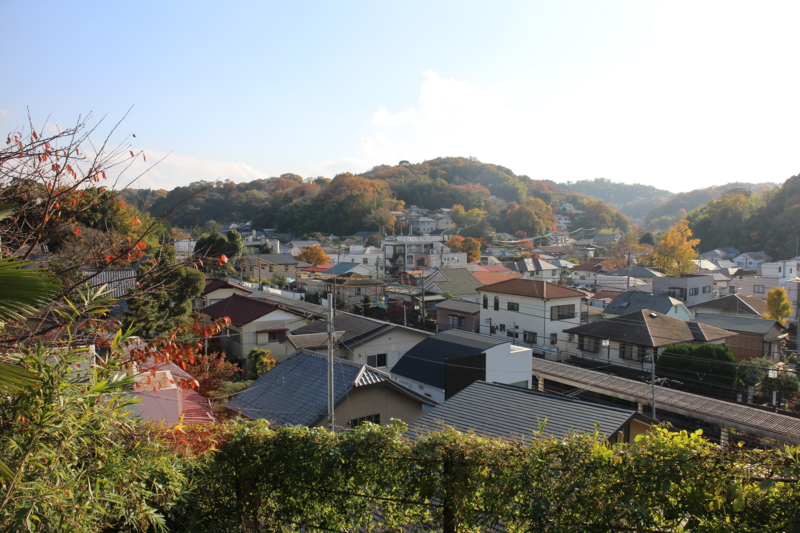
(785,385)
(779,307)
(707,369)
(675,252)
(647,238)
(262,360)
(314,255)
(217,249)
(382,218)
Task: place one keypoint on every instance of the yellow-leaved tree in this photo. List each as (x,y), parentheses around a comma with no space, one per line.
(675,252)
(314,255)
(779,307)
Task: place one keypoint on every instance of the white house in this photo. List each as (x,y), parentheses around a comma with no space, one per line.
(530,312)
(533,268)
(749,260)
(780,269)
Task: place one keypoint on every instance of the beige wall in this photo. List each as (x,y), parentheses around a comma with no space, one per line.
(394,344)
(376,400)
(216,296)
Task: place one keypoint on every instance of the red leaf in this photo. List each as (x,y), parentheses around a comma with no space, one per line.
(122,203)
(200,261)
(136,221)
(77,231)
(223,259)
(132,153)
(36,137)
(145,157)
(74,202)
(56,206)
(108,259)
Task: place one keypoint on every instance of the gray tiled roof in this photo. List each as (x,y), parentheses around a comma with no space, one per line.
(425,361)
(460,306)
(739,324)
(295,391)
(460,282)
(290,303)
(731,414)
(628,302)
(637,272)
(357,329)
(648,328)
(734,304)
(504,411)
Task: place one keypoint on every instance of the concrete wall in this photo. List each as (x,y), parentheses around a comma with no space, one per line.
(683,288)
(752,286)
(508,364)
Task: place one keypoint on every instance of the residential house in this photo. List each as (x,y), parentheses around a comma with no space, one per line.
(752,285)
(585,275)
(632,339)
(733,304)
(217,290)
(264,266)
(631,301)
(360,339)
(554,251)
(750,260)
(562,222)
(720,254)
(780,269)
(607,240)
(621,283)
(357,269)
(371,257)
(406,304)
(166,393)
(459,282)
(302,245)
(531,312)
(295,392)
(533,268)
(488,278)
(254,323)
(691,289)
(757,337)
(638,272)
(421,225)
(458,314)
(184,248)
(116,280)
(447,362)
(522,415)
(350,288)
(409,253)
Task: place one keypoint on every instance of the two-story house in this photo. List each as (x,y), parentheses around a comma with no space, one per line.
(534,268)
(691,289)
(749,260)
(530,312)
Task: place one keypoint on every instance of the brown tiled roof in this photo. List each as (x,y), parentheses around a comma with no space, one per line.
(648,328)
(606,293)
(487,278)
(213,284)
(240,309)
(532,288)
(588,267)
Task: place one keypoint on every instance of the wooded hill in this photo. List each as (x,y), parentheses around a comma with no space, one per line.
(494,196)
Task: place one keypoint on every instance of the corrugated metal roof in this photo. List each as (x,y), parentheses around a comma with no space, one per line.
(730,414)
(741,324)
(504,411)
(460,306)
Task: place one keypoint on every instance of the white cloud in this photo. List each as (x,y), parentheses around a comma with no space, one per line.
(383,117)
(176,170)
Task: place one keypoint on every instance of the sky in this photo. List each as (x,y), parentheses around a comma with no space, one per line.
(678,95)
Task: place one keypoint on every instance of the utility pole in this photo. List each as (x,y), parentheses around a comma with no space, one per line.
(331,421)
(629,268)
(653,382)
(405,320)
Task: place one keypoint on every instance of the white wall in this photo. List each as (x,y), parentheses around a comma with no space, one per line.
(508,364)
(394,344)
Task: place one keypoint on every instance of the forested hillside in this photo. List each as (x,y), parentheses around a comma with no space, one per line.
(492,198)
(751,221)
(615,192)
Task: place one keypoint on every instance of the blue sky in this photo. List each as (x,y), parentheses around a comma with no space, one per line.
(679,95)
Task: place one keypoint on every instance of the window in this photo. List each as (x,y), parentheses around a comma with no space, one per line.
(779,270)
(377,361)
(375,419)
(270,336)
(588,344)
(642,352)
(758,289)
(452,320)
(554,338)
(529,337)
(583,277)
(485,302)
(365,261)
(562,312)
(492,330)
(358,290)
(693,291)
(706,289)
(520,384)
(496,303)
(502,327)
(513,334)
(513,306)
(625,351)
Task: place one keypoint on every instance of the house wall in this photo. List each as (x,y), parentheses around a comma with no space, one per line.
(382,400)
(546,275)
(780,269)
(433,393)
(216,296)
(394,344)
(749,346)
(581,278)
(533,316)
(508,364)
(682,288)
(753,286)
(471,321)
(611,354)
(245,338)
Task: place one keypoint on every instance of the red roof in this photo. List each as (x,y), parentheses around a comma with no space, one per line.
(588,267)
(493,268)
(240,309)
(317,268)
(532,288)
(213,284)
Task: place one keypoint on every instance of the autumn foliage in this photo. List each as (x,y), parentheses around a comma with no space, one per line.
(314,255)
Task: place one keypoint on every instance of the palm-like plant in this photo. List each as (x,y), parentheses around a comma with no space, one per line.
(25,289)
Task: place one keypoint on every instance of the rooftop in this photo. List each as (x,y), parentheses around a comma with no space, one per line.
(532,288)
(734,304)
(240,309)
(628,302)
(460,306)
(213,284)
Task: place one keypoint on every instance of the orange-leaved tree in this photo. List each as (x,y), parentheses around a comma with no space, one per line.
(314,255)
(675,252)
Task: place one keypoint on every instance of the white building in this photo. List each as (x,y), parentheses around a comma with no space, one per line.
(530,312)
(749,260)
(780,269)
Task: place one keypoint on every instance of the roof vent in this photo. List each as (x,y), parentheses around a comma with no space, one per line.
(653,315)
